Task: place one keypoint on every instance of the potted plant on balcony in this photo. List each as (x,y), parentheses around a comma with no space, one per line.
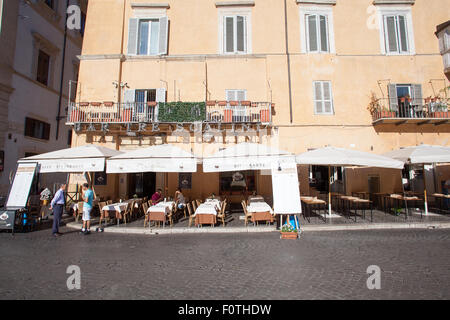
(377,110)
(151,103)
(96,104)
(108,103)
(211,103)
(288,232)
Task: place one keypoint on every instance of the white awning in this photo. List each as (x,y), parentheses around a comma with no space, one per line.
(421,154)
(245,156)
(330,156)
(160,158)
(88,158)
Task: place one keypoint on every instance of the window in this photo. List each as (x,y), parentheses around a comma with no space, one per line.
(237,182)
(43,67)
(323,97)
(239,111)
(317,34)
(37,129)
(406,99)
(69,138)
(396,30)
(147,37)
(396,35)
(235,34)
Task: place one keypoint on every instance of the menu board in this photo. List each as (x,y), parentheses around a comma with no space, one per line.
(18,195)
(286,188)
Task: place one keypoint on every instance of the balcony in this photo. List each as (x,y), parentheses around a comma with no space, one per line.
(171,112)
(426,111)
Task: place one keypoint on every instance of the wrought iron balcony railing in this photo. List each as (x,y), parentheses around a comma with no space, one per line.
(172,112)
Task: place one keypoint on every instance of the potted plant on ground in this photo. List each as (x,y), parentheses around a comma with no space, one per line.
(289,232)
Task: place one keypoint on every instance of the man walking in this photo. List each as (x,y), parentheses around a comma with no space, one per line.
(57,205)
(88,198)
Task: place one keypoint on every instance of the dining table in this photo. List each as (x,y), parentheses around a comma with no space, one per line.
(206,212)
(441,201)
(116,208)
(159,211)
(309,203)
(260,211)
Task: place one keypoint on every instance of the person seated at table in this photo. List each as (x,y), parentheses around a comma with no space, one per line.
(180,200)
(156,197)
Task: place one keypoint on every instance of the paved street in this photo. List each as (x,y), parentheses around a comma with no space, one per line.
(323,265)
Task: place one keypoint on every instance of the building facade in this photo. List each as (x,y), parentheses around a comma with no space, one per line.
(295,74)
(38,86)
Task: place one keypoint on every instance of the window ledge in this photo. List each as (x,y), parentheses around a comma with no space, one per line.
(381,2)
(327,2)
(150,5)
(235,3)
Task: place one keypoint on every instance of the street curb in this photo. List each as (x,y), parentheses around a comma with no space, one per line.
(318,228)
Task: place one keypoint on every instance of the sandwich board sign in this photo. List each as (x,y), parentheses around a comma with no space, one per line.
(18,195)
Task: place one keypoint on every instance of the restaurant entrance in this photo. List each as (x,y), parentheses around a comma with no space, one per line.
(141,184)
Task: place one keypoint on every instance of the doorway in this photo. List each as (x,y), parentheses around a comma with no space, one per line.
(141,184)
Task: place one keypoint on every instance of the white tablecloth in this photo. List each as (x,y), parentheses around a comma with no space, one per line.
(162,207)
(259,207)
(120,207)
(210,207)
(253,199)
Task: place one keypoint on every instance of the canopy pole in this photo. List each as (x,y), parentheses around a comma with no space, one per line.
(329,191)
(425,190)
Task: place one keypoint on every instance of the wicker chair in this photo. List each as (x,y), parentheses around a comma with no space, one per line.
(221,214)
(247,215)
(191,213)
(146,214)
(194,205)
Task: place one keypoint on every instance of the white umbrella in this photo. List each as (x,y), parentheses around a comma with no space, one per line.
(87,158)
(245,156)
(159,158)
(330,156)
(422,154)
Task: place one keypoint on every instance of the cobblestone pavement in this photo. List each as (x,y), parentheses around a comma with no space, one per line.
(415,264)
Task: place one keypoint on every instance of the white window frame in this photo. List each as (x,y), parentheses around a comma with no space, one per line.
(233,12)
(323,100)
(148,38)
(384,11)
(317,10)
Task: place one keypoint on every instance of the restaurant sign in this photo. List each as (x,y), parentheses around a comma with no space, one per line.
(72,165)
(151,165)
(242,163)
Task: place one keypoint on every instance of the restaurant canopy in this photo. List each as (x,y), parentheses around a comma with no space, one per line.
(159,158)
(87,158)
(245,156)
(339,157)
(421,154)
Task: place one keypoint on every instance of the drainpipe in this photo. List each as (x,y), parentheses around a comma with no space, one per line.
(58,117)
(288,59)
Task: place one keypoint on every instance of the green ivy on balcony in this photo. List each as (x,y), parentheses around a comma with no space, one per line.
(182,111)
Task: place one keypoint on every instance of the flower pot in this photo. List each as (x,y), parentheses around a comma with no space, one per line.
(210,103)
(409,100)
(246,103)
(151,104)
(222,103)
(387,114)
(96,104)
(402,100)
(108,103)
(84,104)
(440,114)
(289,235)
(228,116)
(234,103)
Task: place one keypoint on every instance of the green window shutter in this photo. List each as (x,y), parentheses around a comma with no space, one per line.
(132,36)
(240,33)
(324,34)
(327,99)
(403,36)
(417,96)
(311,22)
(229,34)
(391,34)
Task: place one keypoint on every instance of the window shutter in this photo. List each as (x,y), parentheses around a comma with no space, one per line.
(417,101)
(327,97)
(403,35)
(318,103)
(132,36)
(231,95)
(240,34)
(391,34)
(311,22)
(161,95)
(129,96)
(241,95)
(229,34)
(163,35)
(393,100)
(323,34)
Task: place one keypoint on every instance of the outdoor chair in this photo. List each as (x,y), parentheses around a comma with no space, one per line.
(191,213)
(100,207)
(248,216)
(221,214)
(171,215)
(198,202)
(127,212)
(79,211)
(146,214)
(194,205)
